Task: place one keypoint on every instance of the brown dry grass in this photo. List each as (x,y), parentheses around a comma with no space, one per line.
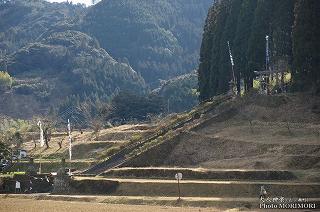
(22,205)
(266,132)
(255,137)
(86,143)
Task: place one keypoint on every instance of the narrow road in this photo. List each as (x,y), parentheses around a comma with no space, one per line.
(200,181)
(102,198)
(24,205)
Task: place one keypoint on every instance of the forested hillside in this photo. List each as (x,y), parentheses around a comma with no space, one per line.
(26,21)
(159,39)
(61,54)
(293,29)
(179,93)
(74,57)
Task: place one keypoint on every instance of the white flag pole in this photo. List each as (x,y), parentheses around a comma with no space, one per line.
(41,143)
(267,53)
(268,64)
(232,65)
(70,145)
(41,134)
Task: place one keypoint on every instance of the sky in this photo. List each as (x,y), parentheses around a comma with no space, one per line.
(87,2)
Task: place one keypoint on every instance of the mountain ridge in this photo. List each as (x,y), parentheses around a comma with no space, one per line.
(30,52)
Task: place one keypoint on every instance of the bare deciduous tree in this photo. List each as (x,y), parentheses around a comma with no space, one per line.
(47,136)
(60,143)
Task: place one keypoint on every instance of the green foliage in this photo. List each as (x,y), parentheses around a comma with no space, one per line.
(11,131)
(83,113)
(306,44)
(15,125)
(136,137)
(23,21)
(109,152)
(16,139)
(180,93)
(245,23)
(77,67)
(5,81)
(256,43)
(159,38)
(127,106)
(209,73)
(241,41)
(4,150)
(53,49)
(229,34)
(282,30)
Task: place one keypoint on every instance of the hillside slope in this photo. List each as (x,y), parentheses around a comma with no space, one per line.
(53,52)
(180,92)
(78,66)
(277,133)
(159,39)
(253,133)
(25,21)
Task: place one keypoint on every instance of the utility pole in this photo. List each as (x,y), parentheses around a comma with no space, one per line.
(70,145)
(168,104)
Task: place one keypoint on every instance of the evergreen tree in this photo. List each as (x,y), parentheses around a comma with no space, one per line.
(229,35)
(306,44)
(128,106)
(294,31)
(282,22)
(256,45)
(218,81)
(205,55)
(211,80)
(241,40)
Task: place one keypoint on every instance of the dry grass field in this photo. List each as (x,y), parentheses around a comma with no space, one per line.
(259,132)
(86,145)
(271,133)
(30,205)
(272,141)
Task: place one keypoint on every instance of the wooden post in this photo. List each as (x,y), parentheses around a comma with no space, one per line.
(40,161)
(178,177)
(179,189)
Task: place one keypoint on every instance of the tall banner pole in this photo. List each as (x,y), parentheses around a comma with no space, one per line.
(232,65)
(267,54)
(41,144)
(267,64)
(70,145)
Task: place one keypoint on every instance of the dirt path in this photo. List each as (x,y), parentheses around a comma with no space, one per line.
(75,203)
(237,134)
(102,198)
(23,205)
(193,169)
(198,181)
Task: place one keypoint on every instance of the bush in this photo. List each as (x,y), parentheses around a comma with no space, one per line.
(136,137)
(128,106)
(5,81)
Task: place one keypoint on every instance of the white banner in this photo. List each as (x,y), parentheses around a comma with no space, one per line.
(70,144)
(41,134)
